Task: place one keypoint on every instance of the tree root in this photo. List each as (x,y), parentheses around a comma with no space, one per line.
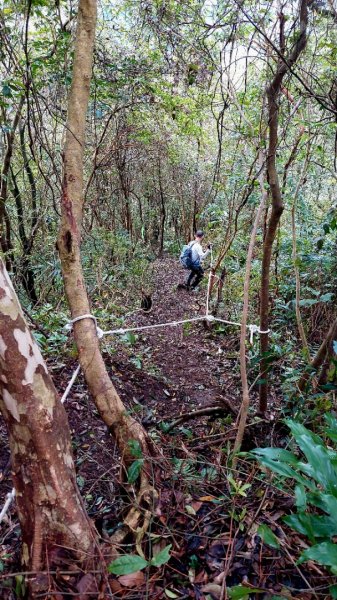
(138,518)
(225,407)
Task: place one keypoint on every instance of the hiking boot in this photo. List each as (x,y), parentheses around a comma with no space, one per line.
(182,286)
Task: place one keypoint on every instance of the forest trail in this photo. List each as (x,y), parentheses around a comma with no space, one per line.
(164,373)
(180,368)
(159,375)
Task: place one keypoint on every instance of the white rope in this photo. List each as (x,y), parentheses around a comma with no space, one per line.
(227,322)
(207,317)
(69,325)
(142,328)
(255,329)
(252,328)
(122,330)
(9,499)
(70,384)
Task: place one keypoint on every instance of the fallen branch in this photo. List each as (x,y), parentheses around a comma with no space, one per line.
(225,407)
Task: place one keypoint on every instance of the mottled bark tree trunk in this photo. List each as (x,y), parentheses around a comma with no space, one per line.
(273,95)
(49,505)
(104,394)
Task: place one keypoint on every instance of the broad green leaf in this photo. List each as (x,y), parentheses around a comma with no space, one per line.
(170,594)
(129,563)
(315,499)
(134,470)
(240,591)
(268,536)
(308,301)
(326,297)
(80,481)
(314,526)
(278,454)
(330,419)
(262,454)
(135,448)
(298,429)
(20,586)
(162,557)
(129,337)
(319,459)
(6,90)
(329,504)
(324,554)
(333,591)
(300,497)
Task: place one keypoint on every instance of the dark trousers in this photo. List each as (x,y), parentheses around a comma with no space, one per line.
(194,277)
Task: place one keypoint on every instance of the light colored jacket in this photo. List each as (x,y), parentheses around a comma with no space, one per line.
(197,252)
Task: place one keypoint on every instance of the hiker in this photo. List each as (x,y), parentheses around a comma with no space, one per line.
(191,257)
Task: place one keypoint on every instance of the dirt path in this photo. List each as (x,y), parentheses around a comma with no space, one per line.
(183,367)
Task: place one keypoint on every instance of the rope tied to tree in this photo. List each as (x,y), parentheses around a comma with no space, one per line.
(255,329)
(70,323)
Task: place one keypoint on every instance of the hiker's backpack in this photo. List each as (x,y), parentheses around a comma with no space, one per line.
(186,257)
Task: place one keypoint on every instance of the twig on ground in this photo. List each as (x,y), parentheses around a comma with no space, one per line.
(226,407)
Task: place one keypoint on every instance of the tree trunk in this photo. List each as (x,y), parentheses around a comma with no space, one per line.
(162,212)
(5,229)
(108,403)
(273,94)
(49,505)
(242,418)
(299,321)
(32,183)
(324,353)
(27,278)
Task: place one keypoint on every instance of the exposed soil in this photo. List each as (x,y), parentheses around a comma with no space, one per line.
(180,368)
(161,374)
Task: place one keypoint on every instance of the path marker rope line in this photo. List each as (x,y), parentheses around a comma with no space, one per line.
(122,330)
(210,318)
(9,499)
(70,384)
